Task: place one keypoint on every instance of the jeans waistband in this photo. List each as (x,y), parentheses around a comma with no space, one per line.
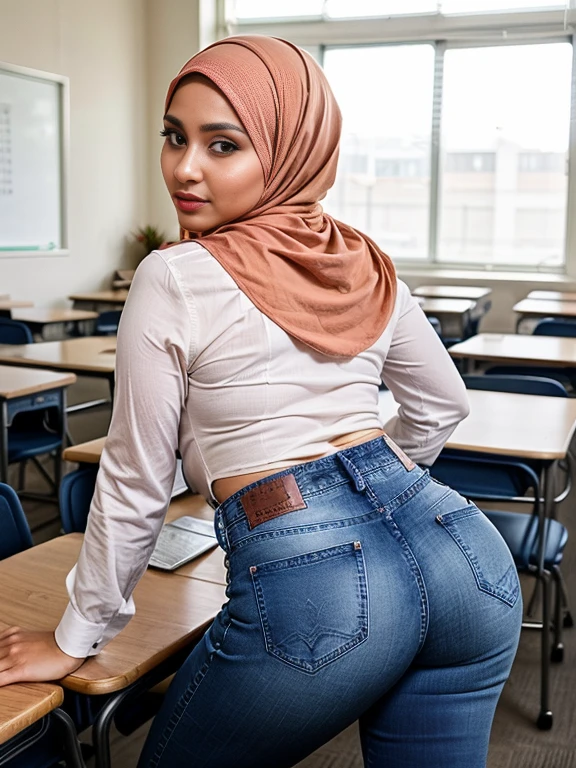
(313,477)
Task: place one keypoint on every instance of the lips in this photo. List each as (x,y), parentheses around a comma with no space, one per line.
(188,203)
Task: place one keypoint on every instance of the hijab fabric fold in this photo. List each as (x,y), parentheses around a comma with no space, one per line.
(323,282)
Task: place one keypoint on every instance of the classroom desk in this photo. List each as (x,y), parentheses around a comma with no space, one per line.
(24,704)
(85,453)
(517,349)
(100,300)
(529,426)
(22,390)
(454,314)
(91,356)
(539,308)
(553,295)
(477,294)
(172,613)
(7,305)
(38,319)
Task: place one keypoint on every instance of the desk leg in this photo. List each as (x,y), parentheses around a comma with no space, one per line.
(103,721)
(72,747)
(3,442)
(546,513)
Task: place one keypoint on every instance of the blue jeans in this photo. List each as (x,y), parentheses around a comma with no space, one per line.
(387,598)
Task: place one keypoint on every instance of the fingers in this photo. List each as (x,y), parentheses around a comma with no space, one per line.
(9,632)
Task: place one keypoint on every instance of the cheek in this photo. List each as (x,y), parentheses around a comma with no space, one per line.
(248,184)
(166,165)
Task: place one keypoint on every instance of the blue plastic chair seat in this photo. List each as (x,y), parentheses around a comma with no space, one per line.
(519,530)
(15,533)
(26,445)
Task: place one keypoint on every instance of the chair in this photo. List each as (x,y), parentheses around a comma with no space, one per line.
(36,428)
(13,332)
(76,491)
(536,543)
(435,323)
(552,326)
(16,536)
(528,385)
(522,385)
(107,323)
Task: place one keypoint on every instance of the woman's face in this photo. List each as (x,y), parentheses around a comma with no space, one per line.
(210,167)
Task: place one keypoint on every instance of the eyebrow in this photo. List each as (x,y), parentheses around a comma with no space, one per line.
(207,127)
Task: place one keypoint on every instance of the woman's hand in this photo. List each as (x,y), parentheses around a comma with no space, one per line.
(28,656)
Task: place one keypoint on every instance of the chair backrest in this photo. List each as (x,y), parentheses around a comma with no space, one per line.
(489,478)
(13,332)
(76,491)
(552,326)
(107,322)
(15,533)
(522,385)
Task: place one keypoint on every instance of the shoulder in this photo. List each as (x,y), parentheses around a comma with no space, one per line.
(193,268)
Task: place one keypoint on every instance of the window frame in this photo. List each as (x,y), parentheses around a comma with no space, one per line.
(443,32)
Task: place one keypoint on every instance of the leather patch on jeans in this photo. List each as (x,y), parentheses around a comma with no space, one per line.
(406,460)
(272,499)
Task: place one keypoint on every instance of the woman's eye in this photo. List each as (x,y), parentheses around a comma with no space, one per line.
(223,147)
(175,138)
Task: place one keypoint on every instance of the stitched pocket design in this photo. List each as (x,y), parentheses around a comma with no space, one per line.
(313,607)
(485,550)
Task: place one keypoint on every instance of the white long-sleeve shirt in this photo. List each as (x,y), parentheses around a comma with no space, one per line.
(201,370)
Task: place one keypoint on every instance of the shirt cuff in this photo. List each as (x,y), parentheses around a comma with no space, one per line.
(76,636)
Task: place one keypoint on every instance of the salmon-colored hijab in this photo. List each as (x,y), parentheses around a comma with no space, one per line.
(320,280)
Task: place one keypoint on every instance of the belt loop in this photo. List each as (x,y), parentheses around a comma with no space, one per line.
(355,475)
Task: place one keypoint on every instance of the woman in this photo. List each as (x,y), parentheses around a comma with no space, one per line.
(256,347)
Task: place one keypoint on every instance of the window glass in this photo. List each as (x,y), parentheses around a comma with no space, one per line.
(383,182)
(505,131)
(475,6)
(264,9)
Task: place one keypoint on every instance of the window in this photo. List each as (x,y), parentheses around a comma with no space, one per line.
(456,121)
(385,190)
(505,111)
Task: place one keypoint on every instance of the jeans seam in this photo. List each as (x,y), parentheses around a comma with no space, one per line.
(417,573)
(180,708)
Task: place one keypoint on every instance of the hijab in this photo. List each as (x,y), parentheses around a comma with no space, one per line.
(323,282)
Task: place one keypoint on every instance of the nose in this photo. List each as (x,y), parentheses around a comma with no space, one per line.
(189,167)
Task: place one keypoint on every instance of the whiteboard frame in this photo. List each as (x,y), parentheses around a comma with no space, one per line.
(64,105)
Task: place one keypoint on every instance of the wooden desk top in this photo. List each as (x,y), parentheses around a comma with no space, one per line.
(85,453)
(518,348)
(452,291)
(11,304)
(47,316)
(16,382)
(93,354)
(546,308)
(553,295)
(104,297)
(170,612)
(447,306)
(531,426)
(24,703)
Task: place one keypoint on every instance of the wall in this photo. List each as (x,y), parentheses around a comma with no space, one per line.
(173,38)
(101,47)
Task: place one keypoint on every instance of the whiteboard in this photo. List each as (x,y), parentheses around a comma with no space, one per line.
(33,140)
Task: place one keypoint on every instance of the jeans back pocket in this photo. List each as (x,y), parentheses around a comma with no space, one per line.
(485,550)
(313,607)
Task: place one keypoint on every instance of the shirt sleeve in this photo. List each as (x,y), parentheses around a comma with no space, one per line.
(424,382)
(138,462)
